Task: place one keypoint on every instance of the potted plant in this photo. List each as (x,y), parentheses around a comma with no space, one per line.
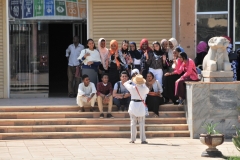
(212,139)
(236,139)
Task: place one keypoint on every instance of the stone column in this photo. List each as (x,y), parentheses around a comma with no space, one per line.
(187,26)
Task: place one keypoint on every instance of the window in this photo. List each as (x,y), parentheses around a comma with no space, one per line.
(212,19)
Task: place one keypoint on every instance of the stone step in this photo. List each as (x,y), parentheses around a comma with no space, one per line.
(44,115)
(100,134)
(70,108)
(87,121)
(86,128)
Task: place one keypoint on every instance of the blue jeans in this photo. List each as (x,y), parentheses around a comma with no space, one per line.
(125,102)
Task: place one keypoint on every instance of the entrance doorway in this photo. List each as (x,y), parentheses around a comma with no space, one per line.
(60,37)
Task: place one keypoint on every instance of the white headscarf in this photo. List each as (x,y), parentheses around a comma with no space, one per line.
(103,53)
(170,50)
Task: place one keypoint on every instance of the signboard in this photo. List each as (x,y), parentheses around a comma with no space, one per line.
(60,8)
(72,9)
(27,8)
(38,8)
(15,8)
(49,8)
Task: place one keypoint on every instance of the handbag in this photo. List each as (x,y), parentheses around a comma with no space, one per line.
(232,56)
(146,108)
(78,72)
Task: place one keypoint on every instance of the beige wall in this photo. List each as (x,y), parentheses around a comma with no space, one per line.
(186,25)
(3,51)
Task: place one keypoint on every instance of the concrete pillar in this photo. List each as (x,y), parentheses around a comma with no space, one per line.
(187,26)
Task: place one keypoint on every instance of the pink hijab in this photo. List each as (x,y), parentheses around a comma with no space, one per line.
(103,53)
(201,47)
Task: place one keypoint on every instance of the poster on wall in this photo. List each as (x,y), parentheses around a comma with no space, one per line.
(15,8)
(49,8)
(60,8)
(38,8)
(72,9)
(27,8)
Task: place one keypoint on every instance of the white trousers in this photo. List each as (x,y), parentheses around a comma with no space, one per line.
(81,101)
(141,121)
(158,73)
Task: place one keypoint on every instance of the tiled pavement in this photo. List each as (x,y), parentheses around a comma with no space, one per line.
(111,148)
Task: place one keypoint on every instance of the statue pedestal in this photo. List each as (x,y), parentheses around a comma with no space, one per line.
(215,102)
(217,76)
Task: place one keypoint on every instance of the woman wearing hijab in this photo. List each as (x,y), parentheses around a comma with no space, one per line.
(188,69)
(136,56)
(90,59)
(154,97)
(103,53)
(169,80)
(172,42)
(115,62)
(164,45)
(156,61)
(127,56)
(103,68)
(145,51)
(201,52)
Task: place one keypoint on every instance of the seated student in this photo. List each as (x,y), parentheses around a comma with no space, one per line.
(170,78)
(121,96)
(154,97)
(86,94)
(188,69)
(104,92)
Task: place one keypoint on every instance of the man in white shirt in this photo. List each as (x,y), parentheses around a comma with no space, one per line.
(72,53)
(86,94)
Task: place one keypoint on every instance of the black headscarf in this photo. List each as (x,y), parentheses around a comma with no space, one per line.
(135,54)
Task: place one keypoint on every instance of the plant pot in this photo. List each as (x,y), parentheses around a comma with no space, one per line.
(212,141)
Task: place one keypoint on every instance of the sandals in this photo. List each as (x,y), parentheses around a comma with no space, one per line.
(155,116)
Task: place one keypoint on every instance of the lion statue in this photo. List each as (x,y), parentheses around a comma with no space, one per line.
(217,57)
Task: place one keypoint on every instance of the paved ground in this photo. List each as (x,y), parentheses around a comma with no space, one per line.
(112,148)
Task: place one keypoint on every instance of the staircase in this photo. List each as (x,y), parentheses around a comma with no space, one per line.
(53,122)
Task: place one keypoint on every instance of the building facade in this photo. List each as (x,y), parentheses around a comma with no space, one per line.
(35,34)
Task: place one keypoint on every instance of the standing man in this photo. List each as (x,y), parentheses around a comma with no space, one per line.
(72,53)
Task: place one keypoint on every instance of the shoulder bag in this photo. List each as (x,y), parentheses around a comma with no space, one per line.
(146,108)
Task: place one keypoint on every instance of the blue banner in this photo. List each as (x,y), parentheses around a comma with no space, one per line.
(28,8)
(49,8)
(15,8)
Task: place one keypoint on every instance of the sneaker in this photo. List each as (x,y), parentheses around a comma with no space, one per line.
(181,101)
(144,142)
(101,115)
(82,109)
(155,116)
(71,96)
(92,109)
(109,115)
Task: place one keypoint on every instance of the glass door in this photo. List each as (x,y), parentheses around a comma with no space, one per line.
(29,60)
(80,30)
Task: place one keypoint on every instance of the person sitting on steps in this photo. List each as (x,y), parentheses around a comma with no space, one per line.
(86,94)
(121,96)
(104,93)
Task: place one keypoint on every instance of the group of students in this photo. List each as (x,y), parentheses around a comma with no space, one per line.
(165,66)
